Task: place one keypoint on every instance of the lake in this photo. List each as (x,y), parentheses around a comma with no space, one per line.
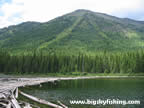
(91,90)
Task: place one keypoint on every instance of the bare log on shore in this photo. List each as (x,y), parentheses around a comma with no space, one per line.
(9,91)
(9,100)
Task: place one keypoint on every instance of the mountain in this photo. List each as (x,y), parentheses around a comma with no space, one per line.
(81,30)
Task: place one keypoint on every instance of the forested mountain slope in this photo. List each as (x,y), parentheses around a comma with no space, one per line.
(81,30)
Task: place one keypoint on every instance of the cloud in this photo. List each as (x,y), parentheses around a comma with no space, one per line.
(137,15)
(9,14)
(18,11)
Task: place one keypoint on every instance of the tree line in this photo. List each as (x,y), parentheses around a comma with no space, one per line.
(100,62)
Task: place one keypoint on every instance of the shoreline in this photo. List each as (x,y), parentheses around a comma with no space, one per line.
(9,86)
(14,82)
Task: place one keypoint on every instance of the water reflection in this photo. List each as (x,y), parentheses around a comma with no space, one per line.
(124,89)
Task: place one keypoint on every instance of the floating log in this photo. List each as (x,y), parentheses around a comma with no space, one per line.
(62,104)
(40,100)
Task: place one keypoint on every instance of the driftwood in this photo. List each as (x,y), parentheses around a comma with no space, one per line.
(62,104)
(9,90)
(40,100)
(25,104)
(14,102)
(9,86)
(9,100)
(14,95)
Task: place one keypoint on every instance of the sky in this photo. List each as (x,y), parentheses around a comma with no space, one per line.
(13,12)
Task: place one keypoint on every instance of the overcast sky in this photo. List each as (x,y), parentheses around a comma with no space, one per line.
(17,11)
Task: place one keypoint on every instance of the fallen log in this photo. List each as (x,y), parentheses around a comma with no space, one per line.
(40,100)
(8,99)
(15,92)
(3,104)
(15,104)
(13,100)
(62,104)
(25,104)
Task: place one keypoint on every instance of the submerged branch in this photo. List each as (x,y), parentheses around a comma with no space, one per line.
(40,100)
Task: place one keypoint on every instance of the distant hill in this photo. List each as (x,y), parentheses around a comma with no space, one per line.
(81,30)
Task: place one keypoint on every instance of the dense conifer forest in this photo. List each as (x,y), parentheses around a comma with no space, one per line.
(100,62)
(82,41)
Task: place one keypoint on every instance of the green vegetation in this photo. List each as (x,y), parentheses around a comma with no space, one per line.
(82,64)
(80,31)
(78,43)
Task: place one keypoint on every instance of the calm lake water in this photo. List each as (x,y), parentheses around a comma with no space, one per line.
(92,89)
